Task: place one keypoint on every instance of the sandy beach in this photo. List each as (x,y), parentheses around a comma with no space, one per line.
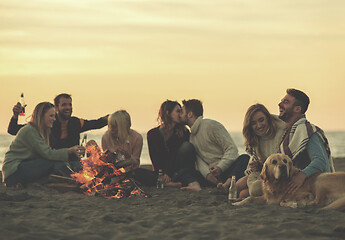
(41,212)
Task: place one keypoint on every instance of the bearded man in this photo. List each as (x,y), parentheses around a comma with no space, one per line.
(305,143)
(66,129)
(217,156)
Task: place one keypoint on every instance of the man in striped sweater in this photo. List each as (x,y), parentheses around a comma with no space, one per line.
(303,142)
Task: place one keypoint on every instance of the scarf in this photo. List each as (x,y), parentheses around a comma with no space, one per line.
(296,138)
(253,158)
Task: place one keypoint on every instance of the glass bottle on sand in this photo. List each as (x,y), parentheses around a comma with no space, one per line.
(232,190)
(160,184)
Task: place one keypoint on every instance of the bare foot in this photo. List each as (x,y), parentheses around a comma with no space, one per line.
(193,186)
(224,186)
(173,184)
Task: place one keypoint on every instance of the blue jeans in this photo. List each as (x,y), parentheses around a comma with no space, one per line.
(185,161)
(186,156)
(237,168)
(32,170)
(184,170)
(186,176)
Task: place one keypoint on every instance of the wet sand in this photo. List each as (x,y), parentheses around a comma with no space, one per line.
(40,212)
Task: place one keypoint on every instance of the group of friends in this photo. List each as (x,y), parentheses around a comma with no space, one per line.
(202,154)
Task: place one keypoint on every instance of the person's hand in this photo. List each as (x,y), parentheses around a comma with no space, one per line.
(296,182)
(212,179)
(122,153)
(166,179)
(135,164)
(77,150)
(216,171)
(82,151)
(17,109)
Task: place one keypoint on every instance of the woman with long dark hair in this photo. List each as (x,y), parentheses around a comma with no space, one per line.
(170,150)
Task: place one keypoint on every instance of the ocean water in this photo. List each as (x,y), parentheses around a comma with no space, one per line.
(336,141)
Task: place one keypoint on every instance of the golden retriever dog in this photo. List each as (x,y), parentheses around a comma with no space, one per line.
(325,190)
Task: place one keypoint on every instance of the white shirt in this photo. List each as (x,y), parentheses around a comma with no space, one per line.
(213,145)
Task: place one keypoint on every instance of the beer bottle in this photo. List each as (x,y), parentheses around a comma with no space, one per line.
(232,190)
(160,184)
(22,102)
(83,143)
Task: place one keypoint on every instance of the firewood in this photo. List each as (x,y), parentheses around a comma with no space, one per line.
(60,179)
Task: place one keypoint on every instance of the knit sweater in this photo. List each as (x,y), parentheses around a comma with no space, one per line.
(268,146)
(29,145)
(213,145)
(132,147)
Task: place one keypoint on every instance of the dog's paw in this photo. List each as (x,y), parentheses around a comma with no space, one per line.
(242,202)
(236,203)
(289,204)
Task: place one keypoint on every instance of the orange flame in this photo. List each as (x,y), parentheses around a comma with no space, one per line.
(97,174)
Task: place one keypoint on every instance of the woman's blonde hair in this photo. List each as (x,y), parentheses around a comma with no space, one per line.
(122,121)
(37,119)
(250,138)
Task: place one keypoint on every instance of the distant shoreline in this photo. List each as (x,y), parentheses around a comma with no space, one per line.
(339,164)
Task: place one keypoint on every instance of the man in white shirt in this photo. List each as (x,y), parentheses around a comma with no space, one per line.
(216,153)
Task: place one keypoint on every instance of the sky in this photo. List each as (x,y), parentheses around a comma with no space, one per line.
(133,55)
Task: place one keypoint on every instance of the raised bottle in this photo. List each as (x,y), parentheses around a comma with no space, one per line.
(83,144)
(22,102)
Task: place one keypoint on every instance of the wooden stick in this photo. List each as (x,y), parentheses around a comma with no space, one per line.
(61,178)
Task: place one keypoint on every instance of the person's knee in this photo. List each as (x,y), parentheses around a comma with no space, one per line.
(186,153)
(186,148)
(244,158)
(241,184)
(12,180)
(186,156)
(244,193)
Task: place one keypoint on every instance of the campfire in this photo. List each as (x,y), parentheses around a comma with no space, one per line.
(104,175)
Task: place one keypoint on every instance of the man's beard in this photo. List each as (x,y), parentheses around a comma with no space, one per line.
(286,116)
(64,117)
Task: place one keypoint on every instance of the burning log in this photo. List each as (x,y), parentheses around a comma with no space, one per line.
(105,175)
(127,189)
